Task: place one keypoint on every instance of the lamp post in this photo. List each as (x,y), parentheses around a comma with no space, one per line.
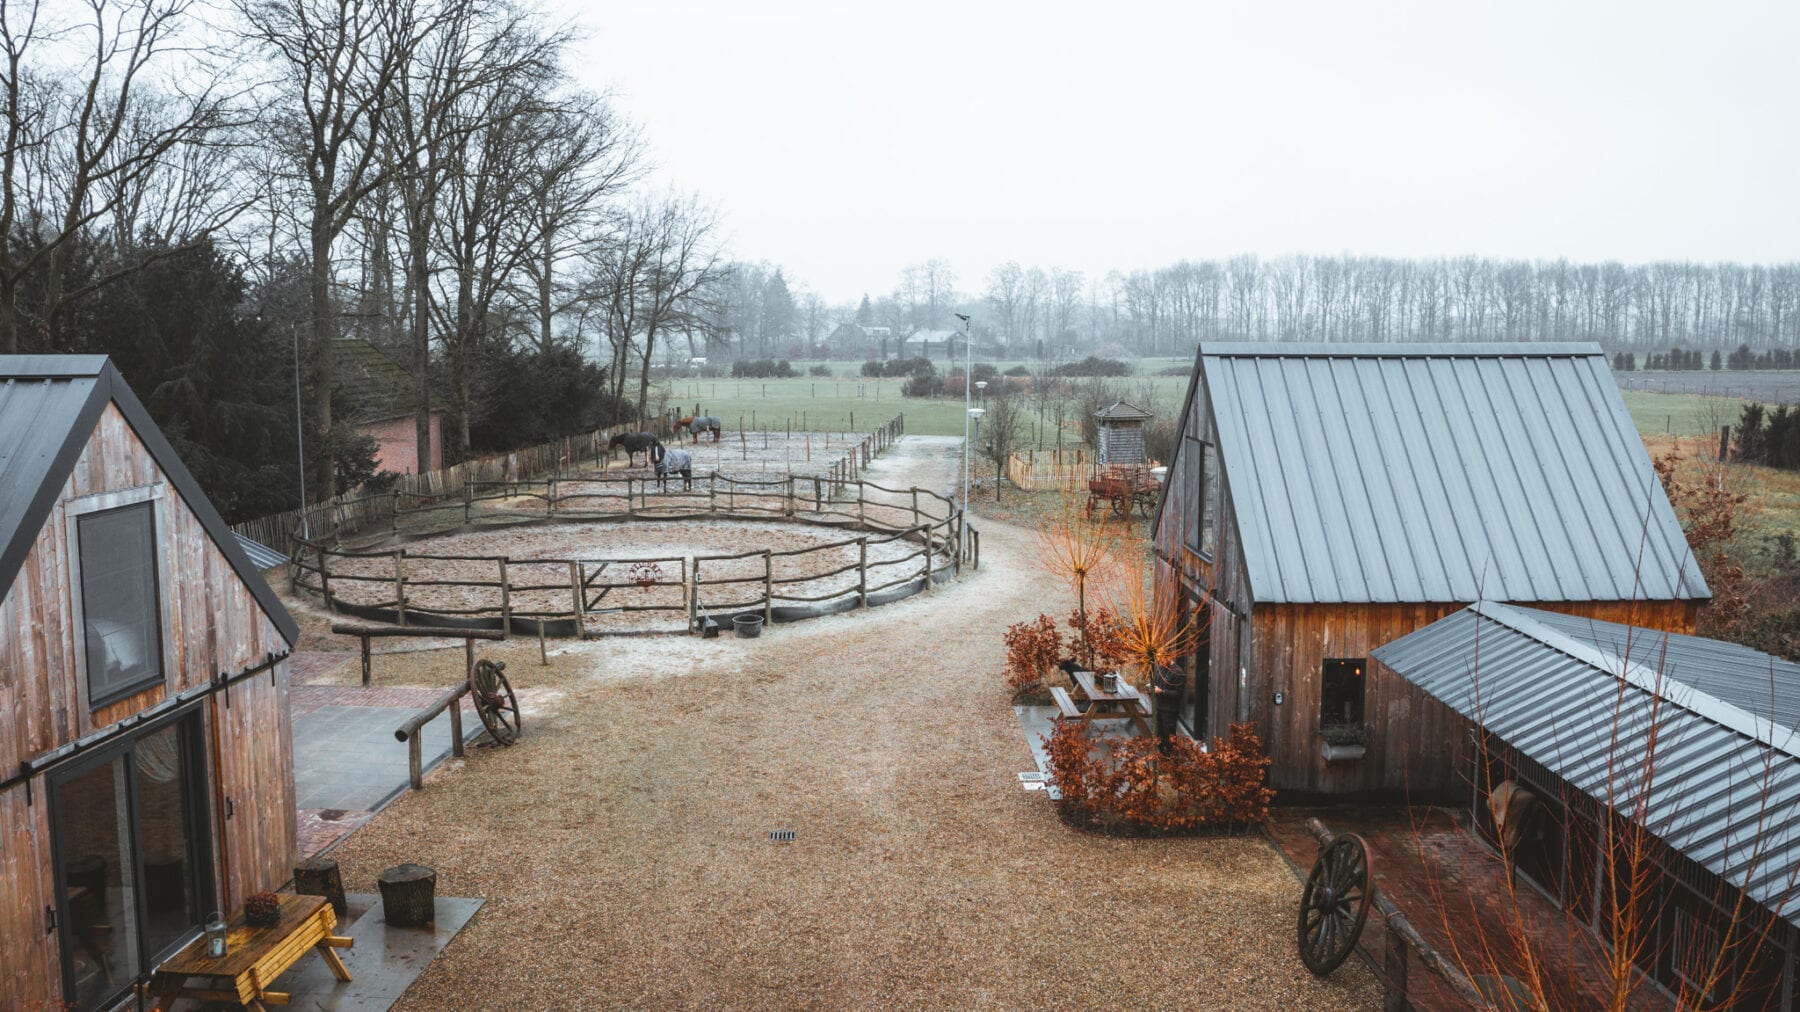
(299,430)
(968,388)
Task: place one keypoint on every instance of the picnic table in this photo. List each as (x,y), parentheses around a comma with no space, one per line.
(1125,704)
(253,958)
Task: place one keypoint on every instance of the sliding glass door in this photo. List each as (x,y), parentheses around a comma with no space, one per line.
(129,830)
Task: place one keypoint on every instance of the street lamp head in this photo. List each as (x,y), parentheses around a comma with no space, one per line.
(981,384)
(976,413)
(964,317)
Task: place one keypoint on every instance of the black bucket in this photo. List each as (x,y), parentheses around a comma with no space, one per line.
(748,627)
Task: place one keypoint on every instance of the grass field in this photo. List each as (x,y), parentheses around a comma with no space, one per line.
(847,403)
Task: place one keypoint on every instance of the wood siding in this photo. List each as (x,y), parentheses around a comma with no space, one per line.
(213,624)
(1257,650)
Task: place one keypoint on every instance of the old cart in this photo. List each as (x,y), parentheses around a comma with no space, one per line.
(1121,488)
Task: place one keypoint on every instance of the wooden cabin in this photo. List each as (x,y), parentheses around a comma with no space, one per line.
(146,757)
(1562,724)
(1119,433)
(1327,499)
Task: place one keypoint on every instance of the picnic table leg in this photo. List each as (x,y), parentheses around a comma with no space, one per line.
(331,959)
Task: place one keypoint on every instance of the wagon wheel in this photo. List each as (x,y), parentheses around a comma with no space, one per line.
(494,701)
(1121,505)
(1335,904)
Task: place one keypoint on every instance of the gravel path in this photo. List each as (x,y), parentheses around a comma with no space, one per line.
(623,845)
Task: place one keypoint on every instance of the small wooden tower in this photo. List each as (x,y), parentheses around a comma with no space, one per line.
(1121,435)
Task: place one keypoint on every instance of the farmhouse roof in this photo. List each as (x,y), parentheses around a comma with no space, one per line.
(1440,472)
(371,384)
(1122,411)
(49,406)
(1594,702)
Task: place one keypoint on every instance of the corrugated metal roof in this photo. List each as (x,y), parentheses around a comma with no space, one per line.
(260,555)
(1718,782)
(49,405)
(1415,473)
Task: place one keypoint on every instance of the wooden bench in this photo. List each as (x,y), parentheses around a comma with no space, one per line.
(1065,702)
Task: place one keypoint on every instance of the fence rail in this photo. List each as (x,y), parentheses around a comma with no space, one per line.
(917,537)
(452,490)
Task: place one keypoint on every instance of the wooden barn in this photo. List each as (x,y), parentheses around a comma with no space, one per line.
(1566,724)
(1327,499)
(146,760)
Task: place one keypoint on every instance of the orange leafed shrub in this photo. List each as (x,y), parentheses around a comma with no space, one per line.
(1032,649)
(1135,786)
(1106,636)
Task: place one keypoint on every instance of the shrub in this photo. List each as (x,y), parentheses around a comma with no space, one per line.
(819,370)
(871,369)
(761,368)
(1032,649)
(1141,786)
(1105,635)
(1093,365)
(1017,370)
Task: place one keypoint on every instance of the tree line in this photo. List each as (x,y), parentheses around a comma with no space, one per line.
(424,175)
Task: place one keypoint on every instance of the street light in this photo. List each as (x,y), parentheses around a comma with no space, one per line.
(968,412)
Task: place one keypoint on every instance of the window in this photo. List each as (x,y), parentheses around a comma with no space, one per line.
(1341,693)
(1200,477)
(121,616)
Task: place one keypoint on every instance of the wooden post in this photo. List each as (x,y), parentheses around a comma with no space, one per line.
(915,498)
(580,606)
(862,571)
(394,517)
(712,497)
(400,584)
(693,596)
(365,661)
(543,651)
(550,496)
(928,554)
(469,660)
(505,600)
(1393,990)
(415,770)
(861,521)
(468,500)
(768,587)
(325,579)
(456,734)
(1724,443)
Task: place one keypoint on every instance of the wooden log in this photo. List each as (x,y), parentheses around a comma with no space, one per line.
(408,895)
(400,584)
(505,600)
(456,730)
(928,553)
(768,588)
(319,876)
(579,608)
(420,631)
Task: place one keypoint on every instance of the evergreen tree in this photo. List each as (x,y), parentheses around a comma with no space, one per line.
(865,313)
(779,317)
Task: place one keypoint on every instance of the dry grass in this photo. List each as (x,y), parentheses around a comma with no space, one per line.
(1773,506)
(623,845)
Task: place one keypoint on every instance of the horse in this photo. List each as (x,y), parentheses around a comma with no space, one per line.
(634,444)
(681,426)
(704,423)
(672,462)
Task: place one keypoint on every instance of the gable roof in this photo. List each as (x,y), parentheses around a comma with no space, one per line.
(49,406)
(371,385)
(1122,411)
(1440,472)
(1724,770)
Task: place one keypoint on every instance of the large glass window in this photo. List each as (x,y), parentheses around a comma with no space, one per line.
(1209,496)
(130,836)
(121,617)
(1341,692)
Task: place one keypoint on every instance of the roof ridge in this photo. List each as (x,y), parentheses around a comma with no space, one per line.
(1701,703)
(1419,349)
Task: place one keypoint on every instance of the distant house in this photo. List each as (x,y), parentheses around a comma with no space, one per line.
(378,395)
(1120,428)
(1695,740)
(1327,499)
(146,754)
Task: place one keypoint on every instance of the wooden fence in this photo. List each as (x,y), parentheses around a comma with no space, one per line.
(458,488)
(1037,470)
(915,533)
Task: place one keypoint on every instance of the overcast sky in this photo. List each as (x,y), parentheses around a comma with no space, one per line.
(843,141)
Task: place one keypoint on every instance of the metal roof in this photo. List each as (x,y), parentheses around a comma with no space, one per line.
(49,405)
(1715,780)
(1122,411)
(260,555)
(1421,472)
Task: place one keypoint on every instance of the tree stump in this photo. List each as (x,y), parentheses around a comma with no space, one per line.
(409,895)
(319,876)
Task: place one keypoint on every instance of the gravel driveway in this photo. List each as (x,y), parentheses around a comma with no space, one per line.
(624,850)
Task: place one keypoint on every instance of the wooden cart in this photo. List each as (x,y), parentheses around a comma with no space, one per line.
(1121,488)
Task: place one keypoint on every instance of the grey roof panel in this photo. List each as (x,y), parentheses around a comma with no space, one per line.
(1411,473)
(49,405)
(260,555)
(1583,699)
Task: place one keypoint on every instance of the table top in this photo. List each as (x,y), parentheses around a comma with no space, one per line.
(245,945)
(1088,681)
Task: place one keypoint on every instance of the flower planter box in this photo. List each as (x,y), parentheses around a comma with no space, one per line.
(1341,753)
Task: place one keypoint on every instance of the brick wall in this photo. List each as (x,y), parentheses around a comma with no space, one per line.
(396,446)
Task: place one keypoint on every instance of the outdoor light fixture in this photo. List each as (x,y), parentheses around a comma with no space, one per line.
(215,936)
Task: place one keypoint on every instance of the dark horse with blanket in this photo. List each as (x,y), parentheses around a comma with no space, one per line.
(697,426)
(634,444)
(672,462)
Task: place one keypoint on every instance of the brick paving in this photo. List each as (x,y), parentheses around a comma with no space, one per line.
(1438,874)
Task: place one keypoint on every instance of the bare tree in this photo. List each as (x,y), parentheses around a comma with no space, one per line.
(118,124)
